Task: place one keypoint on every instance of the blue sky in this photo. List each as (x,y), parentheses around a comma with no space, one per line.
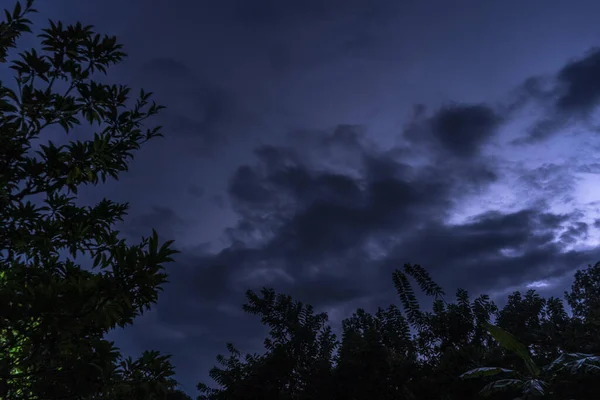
(314,146)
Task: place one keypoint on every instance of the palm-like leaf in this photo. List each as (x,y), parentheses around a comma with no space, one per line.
(534,387)
(485,372)
(501,385)
(575,363)
(509,342)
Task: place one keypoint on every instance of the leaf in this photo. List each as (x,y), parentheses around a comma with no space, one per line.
(485,371)
(17,10)
(509,342)
(575,363)
(534,387)
(501,385)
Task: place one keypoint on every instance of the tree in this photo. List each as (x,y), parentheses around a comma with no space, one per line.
(584,299)
(377,356)
(540,324)
(297,364)
(408,353)
(54,313)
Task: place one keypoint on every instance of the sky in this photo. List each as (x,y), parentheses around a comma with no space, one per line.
(314,146)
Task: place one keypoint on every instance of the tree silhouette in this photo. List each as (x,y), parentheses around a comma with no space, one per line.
(297,360)
(54,314)
(409,353)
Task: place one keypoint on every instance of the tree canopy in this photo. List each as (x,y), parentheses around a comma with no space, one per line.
(54,313)
(462,349)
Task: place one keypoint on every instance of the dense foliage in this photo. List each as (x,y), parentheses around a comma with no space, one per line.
(54,313)
(465,349)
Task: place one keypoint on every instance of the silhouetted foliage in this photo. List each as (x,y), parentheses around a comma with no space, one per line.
(548,382)
(452,351)
(298,359)
(54,314)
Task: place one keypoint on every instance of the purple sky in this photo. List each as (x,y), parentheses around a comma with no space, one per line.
(314,146)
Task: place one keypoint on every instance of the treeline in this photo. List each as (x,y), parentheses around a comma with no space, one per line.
(531,349)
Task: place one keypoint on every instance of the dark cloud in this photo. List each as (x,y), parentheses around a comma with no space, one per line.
(493,246)
(575,233)
(533,88)
(212,106)
(459,130)
(462,130)
(161,218)
(579,85)
(302,229)
(573,96)
(198,109)
(316,213)
(210,109)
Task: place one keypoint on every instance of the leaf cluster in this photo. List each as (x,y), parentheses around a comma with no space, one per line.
(54,312)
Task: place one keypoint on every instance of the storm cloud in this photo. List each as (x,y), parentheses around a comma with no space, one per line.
(573,97)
